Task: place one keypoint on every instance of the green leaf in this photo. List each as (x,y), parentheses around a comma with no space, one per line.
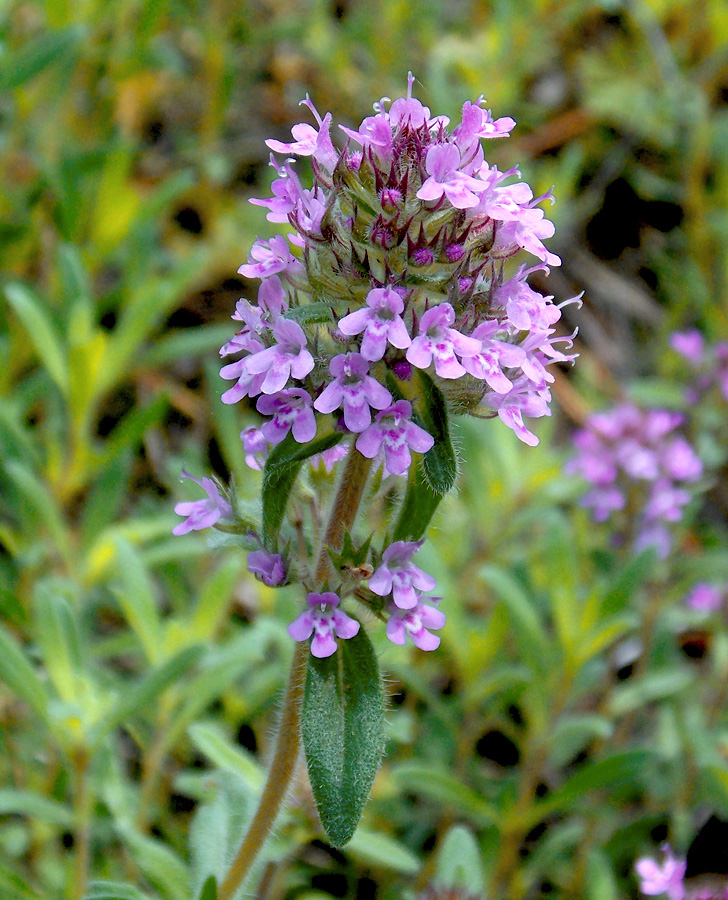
(39,502)
(281,469)
(20,676)
(114,890)
(377,849)
(138,599)
(212,742)
(162,866)
(419,505)
(427,780)
(141,696)
(209,889)
(440,466)
(129,432)
(57,633)
(343,734)
(459,862)
(41,332)
(36,806)
(310,313)
(29,60)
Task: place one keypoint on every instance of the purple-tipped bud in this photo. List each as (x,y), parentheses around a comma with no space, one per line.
(403,370)
(454,252)
(422,256)
(391,199)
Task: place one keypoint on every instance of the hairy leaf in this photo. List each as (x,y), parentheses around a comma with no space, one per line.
(343,736)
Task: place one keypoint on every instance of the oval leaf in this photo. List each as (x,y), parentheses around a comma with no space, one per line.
(343,734)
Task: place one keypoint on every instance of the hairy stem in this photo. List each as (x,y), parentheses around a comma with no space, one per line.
(279,776)
(342,515)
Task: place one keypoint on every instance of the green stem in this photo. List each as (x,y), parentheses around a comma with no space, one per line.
(343,512)
(82,829)
(279,777)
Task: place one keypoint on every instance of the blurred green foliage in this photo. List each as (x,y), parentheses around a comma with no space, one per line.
(562,725)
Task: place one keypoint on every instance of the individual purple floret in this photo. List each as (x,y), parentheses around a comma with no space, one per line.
(287,358)
(443,166)
(705,597)
(256,447)
(271,258)
(415,623)
(354,389)
(394,431)
(381,322)
(323,620)
(399,576)
(666,878)
(291,411)
(202,513)
(267,567)
(439,342)
(690,345)
(521,400)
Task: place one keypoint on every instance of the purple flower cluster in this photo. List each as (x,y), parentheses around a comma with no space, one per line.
(396,262)
(633,458)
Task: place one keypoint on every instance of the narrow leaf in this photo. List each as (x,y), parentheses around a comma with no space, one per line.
(36,806)
(343,736)
(29,60)
(459,862)
(419,505)
(141,696)
(41,332)
(19,675)
(310,313)
(281,470)
(114,890)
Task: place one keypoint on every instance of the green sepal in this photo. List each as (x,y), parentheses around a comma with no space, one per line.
(316,313)
(342,725)
(281,470)
(350,554)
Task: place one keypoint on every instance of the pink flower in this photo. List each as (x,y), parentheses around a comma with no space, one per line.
(248,385)
(438,341)
(291,411)
(353,388)
(393,429)
(202,513)
(493,355)
(414,623)
(399,576)
(381,322)
(270,258)
(662,879)
(442,165)
(524,399)
(705,597)
(255,446)
(267,567)
(287,358)
(323,620)
(690,345)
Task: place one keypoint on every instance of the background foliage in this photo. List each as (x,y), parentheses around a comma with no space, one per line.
(567,723)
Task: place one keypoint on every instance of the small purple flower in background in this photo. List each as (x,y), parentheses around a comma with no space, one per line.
(634,460)
(323,620)
(690,345)
(706,597)
(355,389)
(202,513)
(658,879)
(267,567)
(415,623)
(399,576)
(394,431)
